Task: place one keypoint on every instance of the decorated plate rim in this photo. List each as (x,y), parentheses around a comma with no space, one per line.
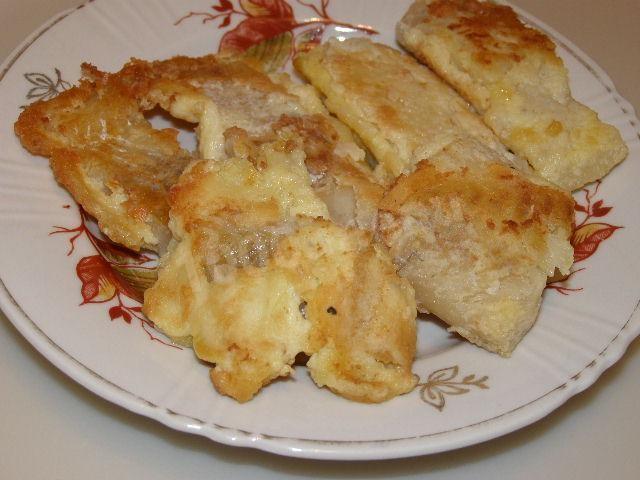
(435,442)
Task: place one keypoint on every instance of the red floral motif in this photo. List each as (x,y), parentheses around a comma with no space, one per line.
(587,236)
(266,19)
(114,274)
(269,27)
(99,282)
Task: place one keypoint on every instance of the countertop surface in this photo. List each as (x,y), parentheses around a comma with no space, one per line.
(53,428)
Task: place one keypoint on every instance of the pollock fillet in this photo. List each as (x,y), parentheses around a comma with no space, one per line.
(511,74)
(257,273)
(401,111)
(472,228)
(107,155)
(119,168)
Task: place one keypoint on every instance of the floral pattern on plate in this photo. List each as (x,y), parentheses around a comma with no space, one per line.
(575,339)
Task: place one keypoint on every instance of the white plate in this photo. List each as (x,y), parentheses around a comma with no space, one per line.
(466,394)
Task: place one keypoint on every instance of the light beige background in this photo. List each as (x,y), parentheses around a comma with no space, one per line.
(51,428)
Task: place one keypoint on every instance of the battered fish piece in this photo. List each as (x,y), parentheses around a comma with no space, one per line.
(472,228)
(512,76)
(107,155)
(339,178)
(219,93)
(402,111)
(257,274)
(477,240)
(119,168)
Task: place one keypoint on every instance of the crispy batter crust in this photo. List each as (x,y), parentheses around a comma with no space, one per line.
(477,241)
(340,178)
(512,76)
(234,95)
(402,111)
(472,228)
(482,23)
(103,150)
(119,168)
(257,275)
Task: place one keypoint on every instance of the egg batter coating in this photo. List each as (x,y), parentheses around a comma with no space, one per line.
(477,240)
(257,273)
(402,112)
(473,229)
(107,155)
(119,168)
(513,77)
(228,93)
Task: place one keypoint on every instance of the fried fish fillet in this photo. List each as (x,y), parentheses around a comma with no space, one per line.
(119,168)
(217,93)
(220,93)
(103,150)
(257,274)
(477,240)
(234,213)
(512,76)
(469,225)
(402,111)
